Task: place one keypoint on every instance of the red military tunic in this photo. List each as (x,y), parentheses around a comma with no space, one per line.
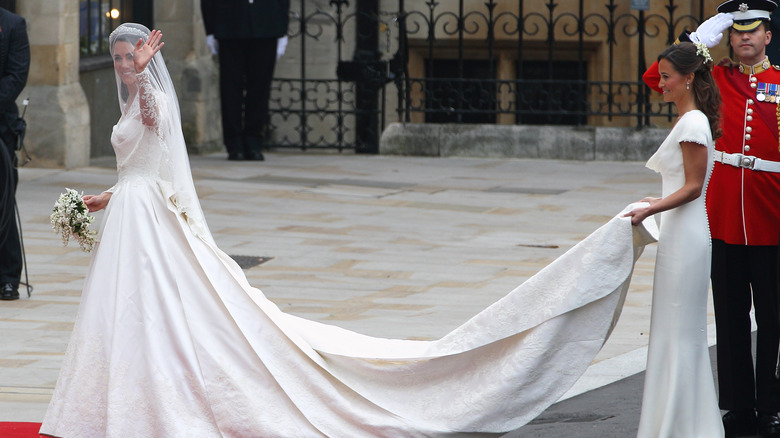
(743,205)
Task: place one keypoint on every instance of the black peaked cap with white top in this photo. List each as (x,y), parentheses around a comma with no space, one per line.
(748,14)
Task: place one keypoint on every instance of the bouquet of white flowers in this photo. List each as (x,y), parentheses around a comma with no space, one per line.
(71,218)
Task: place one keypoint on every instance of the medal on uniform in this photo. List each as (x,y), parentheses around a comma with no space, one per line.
(761,92)
(773,93)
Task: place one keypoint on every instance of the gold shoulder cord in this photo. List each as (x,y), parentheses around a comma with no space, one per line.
(777,115)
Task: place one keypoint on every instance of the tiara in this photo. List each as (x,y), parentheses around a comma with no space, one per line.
(122,29)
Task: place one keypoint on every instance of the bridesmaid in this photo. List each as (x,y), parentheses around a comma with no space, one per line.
(679,397)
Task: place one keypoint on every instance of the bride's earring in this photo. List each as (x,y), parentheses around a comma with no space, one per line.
(687,85)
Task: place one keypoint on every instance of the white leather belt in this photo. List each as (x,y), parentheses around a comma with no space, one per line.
(746,161)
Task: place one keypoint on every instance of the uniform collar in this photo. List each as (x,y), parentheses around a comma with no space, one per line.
(755,69)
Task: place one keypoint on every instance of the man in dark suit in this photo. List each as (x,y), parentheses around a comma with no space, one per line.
(245,33)
(14,66)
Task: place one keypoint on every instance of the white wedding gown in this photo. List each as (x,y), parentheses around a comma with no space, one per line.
(171,340)
(679,398)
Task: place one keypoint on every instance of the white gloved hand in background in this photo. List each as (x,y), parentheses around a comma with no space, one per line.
(711,31)
(212,44)
(281,46)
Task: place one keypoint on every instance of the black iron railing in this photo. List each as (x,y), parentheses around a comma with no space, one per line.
(458,61)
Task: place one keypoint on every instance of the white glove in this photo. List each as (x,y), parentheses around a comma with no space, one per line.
(212,44)
(281,46)
(711,31)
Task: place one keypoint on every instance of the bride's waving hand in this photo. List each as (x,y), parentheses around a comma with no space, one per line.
(144,51)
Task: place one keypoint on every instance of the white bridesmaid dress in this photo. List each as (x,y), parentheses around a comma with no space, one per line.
(679,398)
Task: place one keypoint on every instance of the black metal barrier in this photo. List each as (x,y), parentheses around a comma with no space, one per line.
(442,61)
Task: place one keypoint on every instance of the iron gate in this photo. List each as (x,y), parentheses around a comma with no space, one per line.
(346,104)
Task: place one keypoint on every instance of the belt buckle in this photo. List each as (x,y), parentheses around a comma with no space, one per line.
(747,161)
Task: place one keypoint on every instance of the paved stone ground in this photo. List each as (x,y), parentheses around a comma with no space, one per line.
(611,411)
(402,247)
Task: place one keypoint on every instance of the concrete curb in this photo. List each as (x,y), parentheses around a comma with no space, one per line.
(521,141)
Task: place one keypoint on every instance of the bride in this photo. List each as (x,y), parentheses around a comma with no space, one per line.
(172,341)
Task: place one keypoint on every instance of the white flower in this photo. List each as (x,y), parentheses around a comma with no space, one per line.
(71,218)
(703,51)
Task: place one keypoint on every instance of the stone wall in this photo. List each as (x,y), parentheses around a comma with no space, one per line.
(99,85)
(58,116)
(519,141)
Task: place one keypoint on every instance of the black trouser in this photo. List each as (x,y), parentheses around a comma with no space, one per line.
(10,250)
(743,274)
(245,65)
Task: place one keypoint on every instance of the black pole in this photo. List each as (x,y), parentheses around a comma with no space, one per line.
(404,95)
(519,74)
(366,92)
(642,90)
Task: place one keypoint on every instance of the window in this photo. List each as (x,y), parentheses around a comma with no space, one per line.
(450,99)
(97,18)
(552,93)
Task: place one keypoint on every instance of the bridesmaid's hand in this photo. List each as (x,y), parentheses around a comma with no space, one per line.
(638,215)
(96,202)
(144,51)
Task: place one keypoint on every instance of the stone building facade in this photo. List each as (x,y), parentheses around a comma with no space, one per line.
(73,103)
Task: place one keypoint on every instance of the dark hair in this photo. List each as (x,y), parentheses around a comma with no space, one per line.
(685,59)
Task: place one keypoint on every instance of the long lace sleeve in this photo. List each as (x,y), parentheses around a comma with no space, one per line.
(148,103)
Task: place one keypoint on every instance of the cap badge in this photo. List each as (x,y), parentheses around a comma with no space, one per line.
(743,7)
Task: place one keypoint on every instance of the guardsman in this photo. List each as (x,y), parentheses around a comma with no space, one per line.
(743,206)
